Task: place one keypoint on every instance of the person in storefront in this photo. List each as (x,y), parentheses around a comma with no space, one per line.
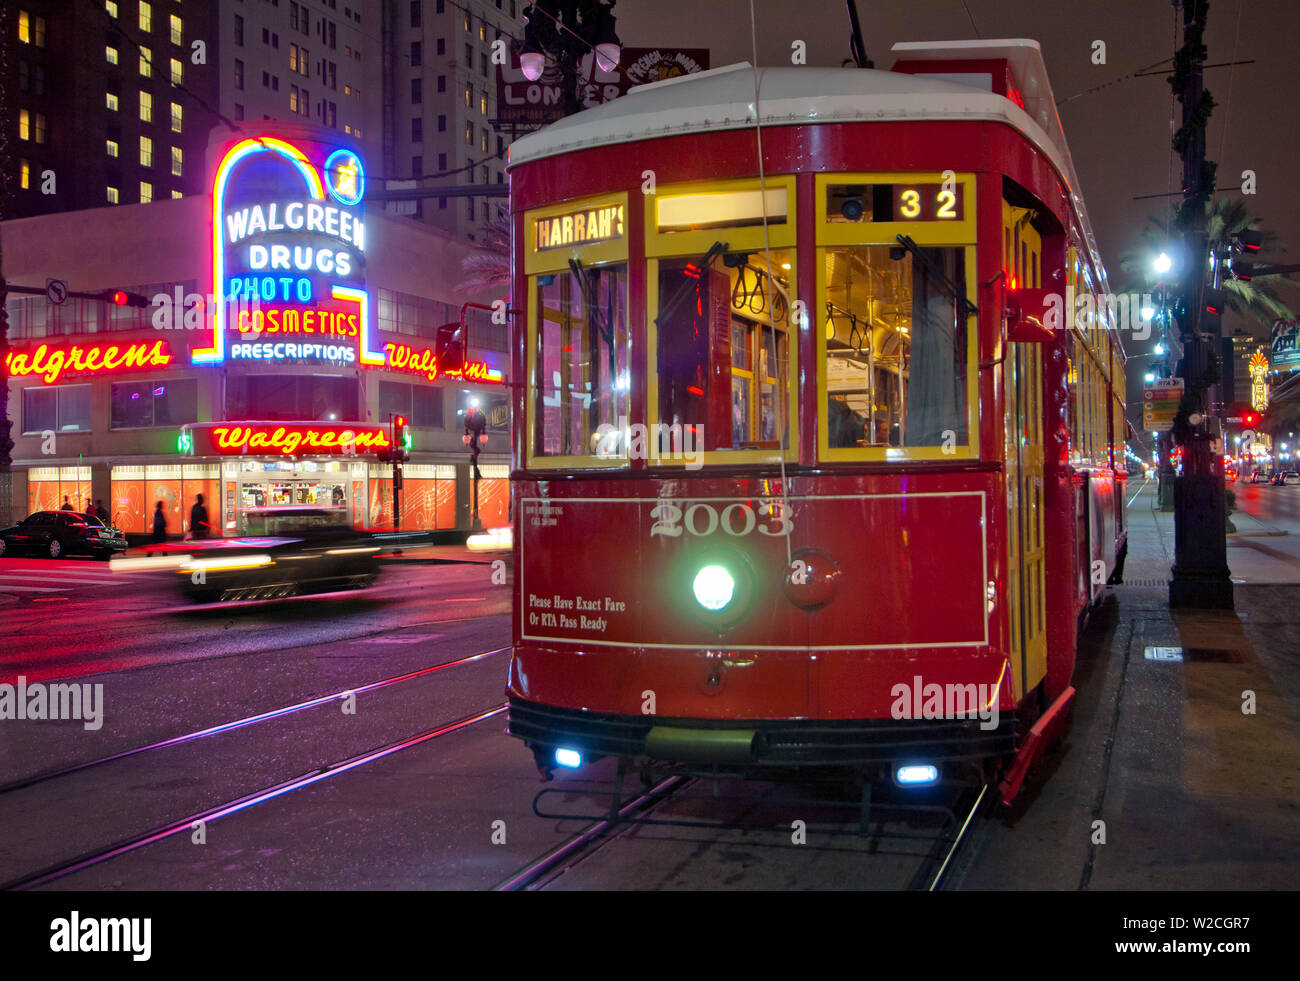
(159,525)
(90,511)
(198,518)
(101,512)
(67,505)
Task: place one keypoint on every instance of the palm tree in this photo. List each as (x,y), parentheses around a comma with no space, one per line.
(488,266)
(1224,218)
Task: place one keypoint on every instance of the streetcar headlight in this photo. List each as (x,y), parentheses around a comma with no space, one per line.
(714,587)
(570,758)
(913,774)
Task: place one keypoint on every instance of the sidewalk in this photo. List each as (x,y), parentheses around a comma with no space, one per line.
(444,554)
(1194,793)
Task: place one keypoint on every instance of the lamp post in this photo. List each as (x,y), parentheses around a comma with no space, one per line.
(566,30)
(475,438)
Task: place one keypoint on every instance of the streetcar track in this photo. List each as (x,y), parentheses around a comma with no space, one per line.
(43,777)
(165,831)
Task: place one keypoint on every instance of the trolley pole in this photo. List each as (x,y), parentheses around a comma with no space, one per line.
(1200,576)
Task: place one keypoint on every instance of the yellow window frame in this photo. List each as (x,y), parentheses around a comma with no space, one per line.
(934,233)
(590,253)
(895,454)
(791,428)
(748,238)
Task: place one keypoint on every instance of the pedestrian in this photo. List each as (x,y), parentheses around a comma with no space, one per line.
(101,512)
(159,525)
(90,511)
(67,505)
(198,518)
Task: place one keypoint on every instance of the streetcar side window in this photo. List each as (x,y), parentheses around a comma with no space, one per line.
(581,388)
(895,323)
(723,350)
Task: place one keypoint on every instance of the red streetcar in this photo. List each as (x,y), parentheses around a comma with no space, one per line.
(818,459)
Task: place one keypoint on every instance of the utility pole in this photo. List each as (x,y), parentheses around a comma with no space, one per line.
(1200,573)
(6,425)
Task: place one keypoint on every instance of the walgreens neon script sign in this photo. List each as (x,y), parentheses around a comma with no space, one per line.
(52,363)
(288,440)
(425,362)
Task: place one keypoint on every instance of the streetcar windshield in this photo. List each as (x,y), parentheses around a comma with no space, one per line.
(895,322)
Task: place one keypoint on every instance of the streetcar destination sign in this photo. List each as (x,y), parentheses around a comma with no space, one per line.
(587,225)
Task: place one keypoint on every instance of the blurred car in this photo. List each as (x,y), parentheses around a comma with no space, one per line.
(283,552)
(492,540)
(59,533)
(1278,477)
(1257,476)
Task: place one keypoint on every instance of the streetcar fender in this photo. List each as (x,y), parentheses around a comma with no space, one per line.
(1042,735)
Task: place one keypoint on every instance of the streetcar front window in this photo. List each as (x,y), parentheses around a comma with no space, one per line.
(723,349)
(896,336)
(582,383)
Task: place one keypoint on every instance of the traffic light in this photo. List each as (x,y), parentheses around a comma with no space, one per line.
(1250,418)
(121,298)
(401,439)
(1244,271)
(1214,301)
(1249,240)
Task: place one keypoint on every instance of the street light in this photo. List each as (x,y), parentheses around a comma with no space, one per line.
(1160,349)
(1151,376)
(1163,263)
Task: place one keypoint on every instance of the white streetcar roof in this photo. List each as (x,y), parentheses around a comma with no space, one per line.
(723,98)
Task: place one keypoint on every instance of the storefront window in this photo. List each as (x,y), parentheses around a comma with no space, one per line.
(155,403)
(582,362)
(896,335)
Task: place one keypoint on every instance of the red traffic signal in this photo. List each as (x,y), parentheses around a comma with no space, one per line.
(121,298)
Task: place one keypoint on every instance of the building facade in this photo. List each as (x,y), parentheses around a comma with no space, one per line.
(286,327)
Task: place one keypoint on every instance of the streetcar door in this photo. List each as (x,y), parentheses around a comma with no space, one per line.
(1024,467)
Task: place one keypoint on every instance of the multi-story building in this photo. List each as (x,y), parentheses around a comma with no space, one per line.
(96,103)
(1237,350)
(132,405)
(317,61)
(115,105)
(443,93)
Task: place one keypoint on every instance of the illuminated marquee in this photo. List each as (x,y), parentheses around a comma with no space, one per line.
(288,230)
(52,363)
(1258,368)
(285,439)
(578,227)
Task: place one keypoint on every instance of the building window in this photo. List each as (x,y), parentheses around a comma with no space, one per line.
(469,58)
(266,80)
(442,46)
(417,91)
(417,54)
(31,126)
(177,119)
(25,174)
(347,89)
(275,83)
(111,195)
(136,405)
(178,162)
(293,57)
(442,203)
(146,151)
(417,130)
(239,74)
(442,124)
(482,30)
(482,103)
(111,7)
(304,103)
(275,41)
(31,30)
(482,63)
(415,12)
(110,54)
(110,147)
(304,63)
(440,6)
(293,16)
(178,72)
(239,111)
(110,101)
(146,107)
(146,16)
(442,83)
(466,16)
(469,134)
(146,192)
(146,63)
(176,30)
(469,96)
(62,408)
(293,98)
(177,194)
(483,141)
(469,208)
(442,161)
(239,30)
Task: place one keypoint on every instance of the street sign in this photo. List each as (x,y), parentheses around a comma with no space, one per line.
(1160,401)
(56,291)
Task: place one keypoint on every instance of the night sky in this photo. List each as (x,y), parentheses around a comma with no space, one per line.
(1119,135)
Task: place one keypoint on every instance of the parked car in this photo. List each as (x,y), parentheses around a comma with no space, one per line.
(1278,477)
(1257,477)
(59,533)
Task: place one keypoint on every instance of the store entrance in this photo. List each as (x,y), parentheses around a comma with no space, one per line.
(272,484)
